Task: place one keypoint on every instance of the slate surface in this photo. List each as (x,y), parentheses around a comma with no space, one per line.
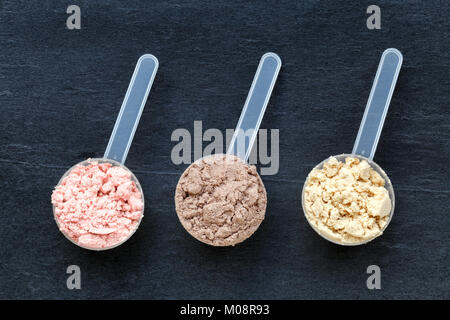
(61,90)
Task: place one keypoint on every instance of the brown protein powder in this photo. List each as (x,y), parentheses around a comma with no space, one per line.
(220,200)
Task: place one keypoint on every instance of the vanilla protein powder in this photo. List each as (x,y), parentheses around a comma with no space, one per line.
(346,202)
(220,200)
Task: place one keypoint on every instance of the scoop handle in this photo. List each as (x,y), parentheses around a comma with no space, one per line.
(131,110)
(378,103)
(258,97)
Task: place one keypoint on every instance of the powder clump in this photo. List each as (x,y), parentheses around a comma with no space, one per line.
(97,205)
(347,202)
(220,200)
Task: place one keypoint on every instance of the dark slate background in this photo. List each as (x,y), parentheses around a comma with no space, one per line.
(61,90)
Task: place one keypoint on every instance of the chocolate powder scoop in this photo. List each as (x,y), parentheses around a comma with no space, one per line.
(220,200)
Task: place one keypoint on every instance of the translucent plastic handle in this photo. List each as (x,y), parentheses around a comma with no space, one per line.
(378,103)
(258,97)
(131,110)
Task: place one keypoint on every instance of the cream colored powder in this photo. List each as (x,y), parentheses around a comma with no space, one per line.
(347,202)
(220,200)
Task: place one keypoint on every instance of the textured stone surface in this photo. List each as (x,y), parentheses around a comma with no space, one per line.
(61,90)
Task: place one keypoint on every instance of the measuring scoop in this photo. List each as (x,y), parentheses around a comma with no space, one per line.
(116,152)
(258,97)
(219,199)
(370,130)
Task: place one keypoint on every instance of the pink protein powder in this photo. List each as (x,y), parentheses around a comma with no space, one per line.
(98,205)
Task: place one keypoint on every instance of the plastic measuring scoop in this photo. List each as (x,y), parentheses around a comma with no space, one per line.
(258,97)
(371,126)
(378,103)
(218,222)
(131,110)
(124,129)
